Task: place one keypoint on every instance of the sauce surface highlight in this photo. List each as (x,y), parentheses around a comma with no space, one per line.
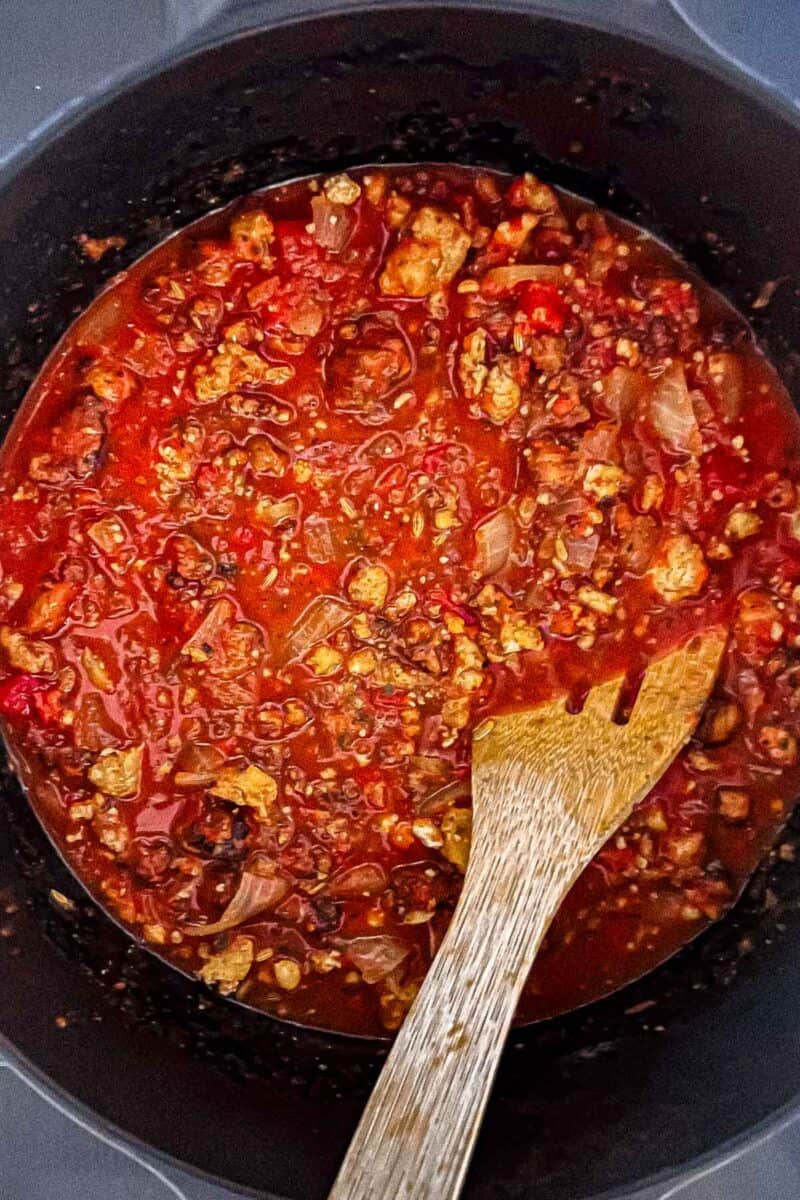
(327,479)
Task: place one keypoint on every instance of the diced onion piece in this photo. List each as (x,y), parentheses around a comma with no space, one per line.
(504,279)
(366,879)
(623,389)
(570,506)
(444,797)
(494,539)
(704,413)
(96,669)
(581,551)
(194,779)
(376,957)
(428,764)
(255,894)
(457,831)
(319,620)
(599,444)
(319,539)
(197,765)
(209,630)
(750,692)
(672,412)
(333,223)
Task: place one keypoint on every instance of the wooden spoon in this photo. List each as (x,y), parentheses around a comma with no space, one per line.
(548,789)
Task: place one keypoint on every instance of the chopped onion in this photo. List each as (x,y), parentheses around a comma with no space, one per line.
(570,506)
(582,550)
(672,413)
(319,620)
(197,765)
(600,444)
(275,935)
(194,779)
(727,377)
(376,957)
(503,279)
(367,879)
(333,223)
(319,539)
(445,797)
(623,389)
(703,412)
(494,538)
(750,692)
(207,634)
(94,728)
(255,894)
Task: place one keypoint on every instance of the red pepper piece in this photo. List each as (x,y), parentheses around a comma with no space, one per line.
(47,705)
(450,457)
(544,307)
(244,538)
(20,696)
(517,194)
(506,240)
(613,861)
(725,472)
(439,596)
(396,698)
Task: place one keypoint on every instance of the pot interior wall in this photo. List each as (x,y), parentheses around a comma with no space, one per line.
(607,1096)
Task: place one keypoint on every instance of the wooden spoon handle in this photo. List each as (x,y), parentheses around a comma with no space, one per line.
(548,788)
(419,1128)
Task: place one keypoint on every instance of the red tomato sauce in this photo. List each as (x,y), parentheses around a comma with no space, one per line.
(324,481)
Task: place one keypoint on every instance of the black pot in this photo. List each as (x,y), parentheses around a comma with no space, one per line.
(705,1050)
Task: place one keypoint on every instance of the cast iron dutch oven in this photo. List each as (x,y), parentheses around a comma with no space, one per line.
(705,1051)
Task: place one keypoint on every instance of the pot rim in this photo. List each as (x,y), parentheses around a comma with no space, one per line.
(211,38)
(207,41)
(99,1126)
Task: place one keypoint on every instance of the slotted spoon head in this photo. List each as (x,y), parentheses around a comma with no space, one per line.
(597,768)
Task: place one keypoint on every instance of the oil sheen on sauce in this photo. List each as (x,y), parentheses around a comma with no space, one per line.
(323,481)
